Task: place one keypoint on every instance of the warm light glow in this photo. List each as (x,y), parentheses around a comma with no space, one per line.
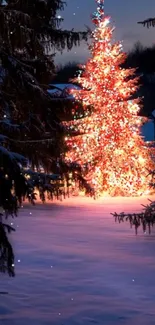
(27,176)
(110,148)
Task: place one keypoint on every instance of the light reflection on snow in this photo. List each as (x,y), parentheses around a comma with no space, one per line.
(102,274)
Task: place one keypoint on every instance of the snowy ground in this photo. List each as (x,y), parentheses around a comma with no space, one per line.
(78,267)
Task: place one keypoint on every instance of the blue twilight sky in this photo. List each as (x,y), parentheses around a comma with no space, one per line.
(124,15)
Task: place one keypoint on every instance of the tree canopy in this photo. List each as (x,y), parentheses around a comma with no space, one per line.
(32,135)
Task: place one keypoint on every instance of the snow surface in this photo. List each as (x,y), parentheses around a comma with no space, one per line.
(62,89)
(76,266)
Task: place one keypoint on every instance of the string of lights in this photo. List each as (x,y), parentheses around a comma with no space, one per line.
(109,145)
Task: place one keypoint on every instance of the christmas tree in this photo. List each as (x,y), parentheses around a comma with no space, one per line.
(108,145)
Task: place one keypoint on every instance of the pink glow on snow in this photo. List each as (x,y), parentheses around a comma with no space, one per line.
(78,267)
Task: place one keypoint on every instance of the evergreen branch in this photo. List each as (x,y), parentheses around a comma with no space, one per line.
(4,138)
(6,251)
(150,22)
(32,141)
(25,66)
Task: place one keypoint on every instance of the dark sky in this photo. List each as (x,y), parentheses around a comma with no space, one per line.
(124,16)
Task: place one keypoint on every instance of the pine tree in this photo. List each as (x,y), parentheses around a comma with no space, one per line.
(29,31)
(31,131)
(109,145)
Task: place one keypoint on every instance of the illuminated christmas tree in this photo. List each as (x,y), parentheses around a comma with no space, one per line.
(109,145)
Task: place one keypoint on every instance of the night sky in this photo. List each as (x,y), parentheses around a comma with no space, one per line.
(124,16)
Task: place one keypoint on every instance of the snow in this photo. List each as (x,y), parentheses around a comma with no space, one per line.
(12,155)
(78,267)
(62,90)
(4,3)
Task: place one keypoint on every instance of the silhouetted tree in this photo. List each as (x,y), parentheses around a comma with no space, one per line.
(143,59)
(65,73)
(31,131)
